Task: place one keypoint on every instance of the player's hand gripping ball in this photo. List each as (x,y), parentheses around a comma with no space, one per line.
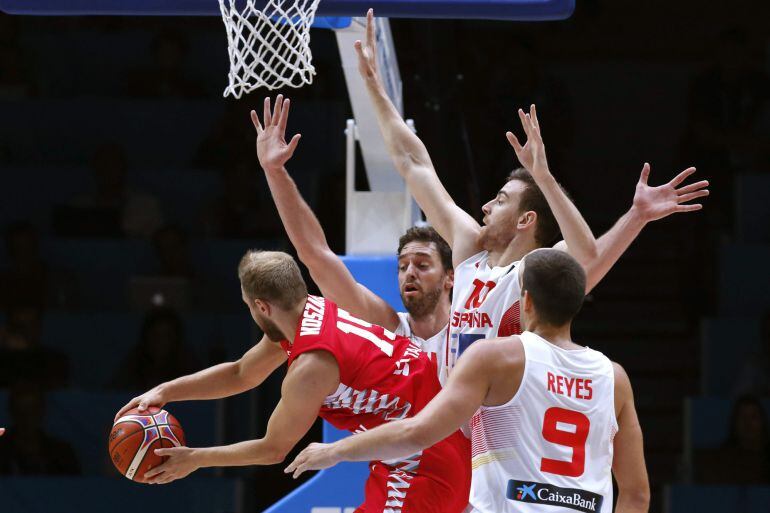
(135,436)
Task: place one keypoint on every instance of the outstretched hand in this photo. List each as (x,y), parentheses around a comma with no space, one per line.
(367,53)
(532,154)
(272,149)
(655,203)
(313,457)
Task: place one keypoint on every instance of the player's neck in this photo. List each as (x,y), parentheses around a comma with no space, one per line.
(560,336)
(512,252)
(287,321)
(428,325)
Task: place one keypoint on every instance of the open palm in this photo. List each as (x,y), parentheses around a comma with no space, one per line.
(658,202)
(531,154)
(367,51)
(272,149)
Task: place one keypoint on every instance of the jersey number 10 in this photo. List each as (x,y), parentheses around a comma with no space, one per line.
(576,440)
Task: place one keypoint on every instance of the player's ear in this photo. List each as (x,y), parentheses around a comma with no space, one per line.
(262,306)
(526,302)
(527,220)
(449,280)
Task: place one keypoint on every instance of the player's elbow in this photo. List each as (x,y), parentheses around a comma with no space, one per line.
(588,254)
(636,498)
(276,455)
(241,380)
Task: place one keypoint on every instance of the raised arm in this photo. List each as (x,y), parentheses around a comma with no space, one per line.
(223,380)
(463,394)
(310,379)
(411,158)
(576,232)
(628,462)
(305,232)
(650,204)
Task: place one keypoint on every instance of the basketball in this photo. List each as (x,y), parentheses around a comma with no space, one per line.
(135,436)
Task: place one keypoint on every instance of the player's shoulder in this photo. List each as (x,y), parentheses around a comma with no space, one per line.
(498,352)
(622,381)
(619,371)
(314,361)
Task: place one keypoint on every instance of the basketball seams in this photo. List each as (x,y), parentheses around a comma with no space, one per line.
(151,451)
(140,454)
(127,437)
(164,434)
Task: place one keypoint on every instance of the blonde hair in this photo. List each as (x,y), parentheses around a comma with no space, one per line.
(272,276)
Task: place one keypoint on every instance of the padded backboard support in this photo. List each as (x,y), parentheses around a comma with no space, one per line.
(522,10)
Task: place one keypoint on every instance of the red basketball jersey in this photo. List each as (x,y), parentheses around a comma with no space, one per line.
(383,376)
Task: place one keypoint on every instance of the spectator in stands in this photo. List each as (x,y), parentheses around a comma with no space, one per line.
(22,356)
(744,458)
(25,280)
(754,377)
(112,209)
(160,355)
(27,449)
(166,77)
(243,210)
(172,248)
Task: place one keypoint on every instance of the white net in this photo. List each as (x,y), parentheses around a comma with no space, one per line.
(269,46)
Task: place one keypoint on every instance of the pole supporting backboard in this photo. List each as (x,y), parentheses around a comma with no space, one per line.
(377,218)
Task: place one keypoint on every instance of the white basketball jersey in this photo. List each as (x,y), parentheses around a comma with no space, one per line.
(548,449)
(436,345)
(485,304)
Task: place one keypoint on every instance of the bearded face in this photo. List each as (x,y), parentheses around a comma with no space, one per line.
(267,326)
(499,225)
(421,303)
(422,278)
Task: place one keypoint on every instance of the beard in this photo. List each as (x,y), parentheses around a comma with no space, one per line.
(491,238)
(270,329)
(422,305)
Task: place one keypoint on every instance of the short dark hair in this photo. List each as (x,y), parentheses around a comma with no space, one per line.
(556,282)
(547,230)
(428,234)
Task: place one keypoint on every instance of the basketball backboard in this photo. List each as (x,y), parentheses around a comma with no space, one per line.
(523,10)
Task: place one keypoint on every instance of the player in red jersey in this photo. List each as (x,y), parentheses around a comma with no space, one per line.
(353,374)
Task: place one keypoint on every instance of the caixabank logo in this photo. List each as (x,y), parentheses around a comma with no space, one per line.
(543,493)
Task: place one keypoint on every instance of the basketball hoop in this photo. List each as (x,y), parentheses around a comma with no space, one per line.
(268,46)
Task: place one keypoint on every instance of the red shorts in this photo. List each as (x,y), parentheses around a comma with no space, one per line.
(437,481)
